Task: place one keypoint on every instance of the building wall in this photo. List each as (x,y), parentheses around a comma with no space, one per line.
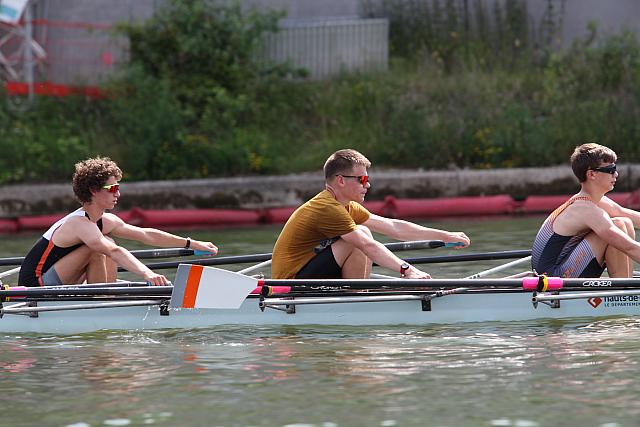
(78,55)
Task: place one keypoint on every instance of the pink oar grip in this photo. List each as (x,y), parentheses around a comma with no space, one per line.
(542,283)
(273,289)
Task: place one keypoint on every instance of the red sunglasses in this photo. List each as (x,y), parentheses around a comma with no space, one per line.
(112,188)
(362,178)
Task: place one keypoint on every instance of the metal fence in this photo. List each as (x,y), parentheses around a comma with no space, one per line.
(326,48)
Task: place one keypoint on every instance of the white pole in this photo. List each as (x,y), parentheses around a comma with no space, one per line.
(255,267)
(28,52)
(499,268)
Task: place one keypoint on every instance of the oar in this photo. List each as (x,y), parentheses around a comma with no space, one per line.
(9,273)
(540,284)
(499,268)
(242,259)
(481,256)
(255,267)
(445,292)
(58,291)
(239,259)
(421,244)
(140,254)
(198,286)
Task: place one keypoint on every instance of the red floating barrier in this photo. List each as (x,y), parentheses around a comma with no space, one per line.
(281,215)
(547,204)
(623,199)
(8,225)
(277,215)
(192,217)
(541,204)
(40,222)
(375,207)
(124,215)
(453,206)
(634,200)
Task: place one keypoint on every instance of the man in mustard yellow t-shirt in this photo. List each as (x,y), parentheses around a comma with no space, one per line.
(330,235)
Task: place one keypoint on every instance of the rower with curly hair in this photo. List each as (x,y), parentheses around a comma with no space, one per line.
(80,246)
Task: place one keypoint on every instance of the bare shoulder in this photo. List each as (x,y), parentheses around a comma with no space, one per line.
(74,230)
(586,208)
(111,221)
(579,216)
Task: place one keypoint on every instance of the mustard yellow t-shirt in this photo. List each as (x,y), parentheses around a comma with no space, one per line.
(310,229)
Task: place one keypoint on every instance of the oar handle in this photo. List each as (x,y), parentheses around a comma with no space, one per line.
(481,256)
(421,244)
(140,254)
(198,252)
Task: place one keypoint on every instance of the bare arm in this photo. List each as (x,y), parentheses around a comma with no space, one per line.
(405,230)
(615,210)
(379,253)
(155,237)
(599,221)
(91,236)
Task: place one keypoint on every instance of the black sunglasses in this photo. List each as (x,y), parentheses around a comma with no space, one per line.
(610,169)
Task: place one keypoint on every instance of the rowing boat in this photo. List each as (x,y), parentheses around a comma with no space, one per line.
(206,296)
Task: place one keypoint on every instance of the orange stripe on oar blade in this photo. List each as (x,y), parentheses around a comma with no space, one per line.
(191,290)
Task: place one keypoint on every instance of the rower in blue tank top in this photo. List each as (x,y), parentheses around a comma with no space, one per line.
(589,232)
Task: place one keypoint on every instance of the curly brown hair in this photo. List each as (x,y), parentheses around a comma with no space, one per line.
(92,174)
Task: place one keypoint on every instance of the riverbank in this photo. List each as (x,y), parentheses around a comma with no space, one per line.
(258,193)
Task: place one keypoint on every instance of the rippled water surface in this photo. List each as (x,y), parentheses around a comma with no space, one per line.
(578,372)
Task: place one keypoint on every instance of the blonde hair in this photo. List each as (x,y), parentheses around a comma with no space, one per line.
(343,162)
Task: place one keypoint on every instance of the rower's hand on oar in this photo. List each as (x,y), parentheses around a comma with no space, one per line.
(206,248)
(414,273)
(156,279)
(460,238)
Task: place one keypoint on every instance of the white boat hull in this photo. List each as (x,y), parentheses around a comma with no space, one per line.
(476,307)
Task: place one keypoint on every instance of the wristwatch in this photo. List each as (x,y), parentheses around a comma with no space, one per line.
(403,268)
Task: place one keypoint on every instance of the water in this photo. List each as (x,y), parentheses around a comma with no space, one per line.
(579,372)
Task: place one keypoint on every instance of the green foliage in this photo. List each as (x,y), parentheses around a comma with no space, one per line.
(478,88)
(452,34)
(44,143)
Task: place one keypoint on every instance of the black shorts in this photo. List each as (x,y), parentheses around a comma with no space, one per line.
(321,266)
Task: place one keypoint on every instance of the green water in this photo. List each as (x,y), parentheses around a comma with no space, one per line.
(579,372)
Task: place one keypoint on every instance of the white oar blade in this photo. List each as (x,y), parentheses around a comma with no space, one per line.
(197,286)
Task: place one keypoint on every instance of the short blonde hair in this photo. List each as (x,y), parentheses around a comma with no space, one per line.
(343,161)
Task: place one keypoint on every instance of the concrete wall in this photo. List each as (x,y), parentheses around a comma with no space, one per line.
(293,190)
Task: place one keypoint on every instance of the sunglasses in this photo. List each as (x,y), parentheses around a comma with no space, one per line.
(363,179)
(611,169)
(112,188)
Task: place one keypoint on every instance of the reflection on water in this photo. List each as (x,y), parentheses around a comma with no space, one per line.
(473,374)
(543,373)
